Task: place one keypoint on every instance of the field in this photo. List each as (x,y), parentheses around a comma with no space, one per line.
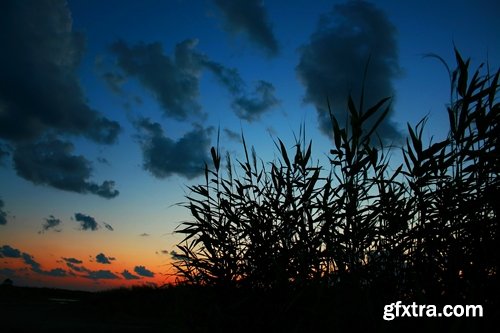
(203,309)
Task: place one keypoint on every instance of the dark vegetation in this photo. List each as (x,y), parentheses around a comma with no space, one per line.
(363,232)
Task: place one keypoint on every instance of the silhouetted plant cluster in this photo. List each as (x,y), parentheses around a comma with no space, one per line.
(427,227)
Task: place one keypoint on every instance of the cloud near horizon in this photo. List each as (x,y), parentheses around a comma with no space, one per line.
(129,276)
(250,18)
(6,251)
(332,63)
(143,271)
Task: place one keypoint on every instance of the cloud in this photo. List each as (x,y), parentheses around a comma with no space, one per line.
(174,82)
(143,271)
(163,157)
(333,62)
(3,153)
(101,275)
(56,272)
(246,106)
(7,251)
(129,276)
(74,267)
(102,259)
(39,86)
(232,135)
(72,260)
(3,214)
(108,226)
(50,162)
(251,108)
(51,223)
(86,222)
(250,18)
(30,261)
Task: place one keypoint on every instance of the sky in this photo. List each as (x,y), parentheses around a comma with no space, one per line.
(108,110)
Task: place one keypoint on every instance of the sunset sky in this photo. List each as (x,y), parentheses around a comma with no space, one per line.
(108,110)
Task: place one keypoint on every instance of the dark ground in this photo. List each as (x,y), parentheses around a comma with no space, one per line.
(191,309)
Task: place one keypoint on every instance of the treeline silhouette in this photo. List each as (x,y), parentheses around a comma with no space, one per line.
(424,230)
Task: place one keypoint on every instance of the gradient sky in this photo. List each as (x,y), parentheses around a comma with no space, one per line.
(108,110)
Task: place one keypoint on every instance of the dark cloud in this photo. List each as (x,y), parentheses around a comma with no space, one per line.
(174,82)
(101,275)
(3,153)
(30,261)
(163,156)
(56,272)
(143,271)
(108,226)
(228,77)
(232,135)
(72,260)
(39,87)
(3,214)
(7,251)
(115,81)
(102,259)
(50,162)
(251,108)
(74,267)
(333,62)
(246,106)
(249,17)
(129,276)
(86,222)
(51,223)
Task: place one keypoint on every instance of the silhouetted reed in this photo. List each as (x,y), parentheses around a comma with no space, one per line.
(425,228)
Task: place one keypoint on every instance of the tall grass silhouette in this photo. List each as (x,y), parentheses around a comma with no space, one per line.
(425,229)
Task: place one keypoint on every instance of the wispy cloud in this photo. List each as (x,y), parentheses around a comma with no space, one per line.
(332,64)
(108,226)
(51,223)
(249,17)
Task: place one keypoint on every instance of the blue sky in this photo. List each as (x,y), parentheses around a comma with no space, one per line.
(108,109)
